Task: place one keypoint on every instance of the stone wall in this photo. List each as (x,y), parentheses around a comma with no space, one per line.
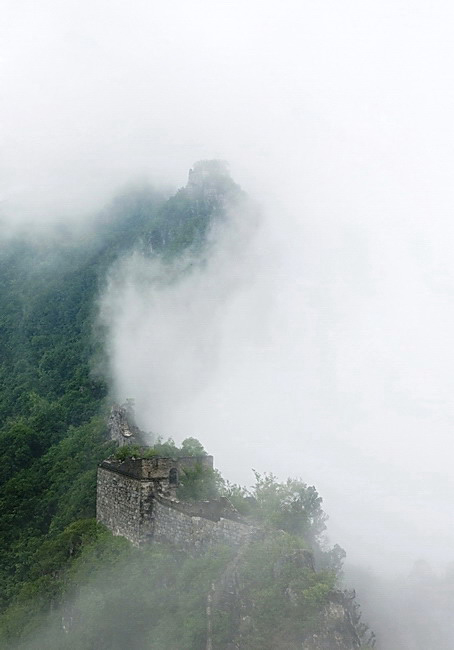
(140,510)
(215,509)
(172,525)
(157,467)
(124,505)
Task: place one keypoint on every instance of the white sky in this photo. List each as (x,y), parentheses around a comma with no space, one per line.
(335,360)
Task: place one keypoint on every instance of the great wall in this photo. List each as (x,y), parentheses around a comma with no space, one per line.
(136,498)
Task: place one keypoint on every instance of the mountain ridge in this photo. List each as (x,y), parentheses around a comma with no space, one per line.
(54,409)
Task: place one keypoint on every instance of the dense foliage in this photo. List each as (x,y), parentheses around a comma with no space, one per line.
(163,595)
(196,484)
(51,402)
(60,571)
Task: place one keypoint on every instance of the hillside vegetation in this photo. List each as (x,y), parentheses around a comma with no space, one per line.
(60,571)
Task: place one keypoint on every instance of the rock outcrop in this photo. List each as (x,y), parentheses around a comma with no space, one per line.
(122,428)
(337,628)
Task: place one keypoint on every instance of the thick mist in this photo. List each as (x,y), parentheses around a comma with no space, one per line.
(278,358)
(302,357)
(317,343)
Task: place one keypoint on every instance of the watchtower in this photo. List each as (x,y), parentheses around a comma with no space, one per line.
(127,489)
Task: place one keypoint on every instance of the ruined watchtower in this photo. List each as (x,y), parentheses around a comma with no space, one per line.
(136,498)
(127,489)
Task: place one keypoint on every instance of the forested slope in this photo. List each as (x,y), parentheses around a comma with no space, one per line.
(60,571)
(51,402)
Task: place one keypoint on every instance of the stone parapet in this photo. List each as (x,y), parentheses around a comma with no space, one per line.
(194,533)
(123,505)
(134,499)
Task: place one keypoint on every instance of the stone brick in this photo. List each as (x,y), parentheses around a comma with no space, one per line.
(135,499)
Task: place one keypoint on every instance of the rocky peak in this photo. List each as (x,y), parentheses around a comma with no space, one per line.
(206,173)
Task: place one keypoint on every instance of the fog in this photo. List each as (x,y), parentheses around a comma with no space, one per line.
(316,342)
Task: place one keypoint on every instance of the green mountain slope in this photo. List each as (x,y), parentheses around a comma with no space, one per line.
(51,406)
(59,569)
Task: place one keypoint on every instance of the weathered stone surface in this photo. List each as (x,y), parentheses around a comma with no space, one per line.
(123,505)
(157,468)
(136,499)
(337,631)
(194,533)
(121,426)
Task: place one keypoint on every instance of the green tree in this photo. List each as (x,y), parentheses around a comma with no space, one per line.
(292,506)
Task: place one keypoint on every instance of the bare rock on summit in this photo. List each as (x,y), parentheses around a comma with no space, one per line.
(121,426)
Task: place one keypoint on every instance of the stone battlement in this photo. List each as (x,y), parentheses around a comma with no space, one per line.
(136,498)
(156,468)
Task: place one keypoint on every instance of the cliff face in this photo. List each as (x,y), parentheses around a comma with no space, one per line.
(121,427)
(332,626)
(337,628)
